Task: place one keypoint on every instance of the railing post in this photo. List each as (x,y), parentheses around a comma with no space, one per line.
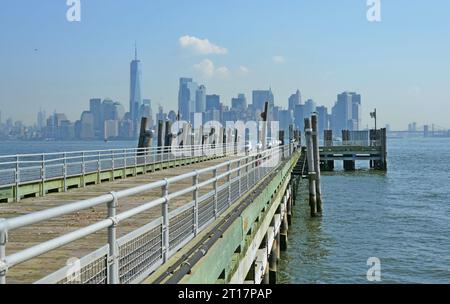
(3,241)
(113,274)
(215,193)
(17,179)
(65,171)
(165,225)
(112,165)
(124,168)
(229,183)
(239,177)
(83,169)
(135,162)
(195,199)
(99,167)
(43,175)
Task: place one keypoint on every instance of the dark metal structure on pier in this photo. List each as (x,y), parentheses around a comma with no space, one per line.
(368,145)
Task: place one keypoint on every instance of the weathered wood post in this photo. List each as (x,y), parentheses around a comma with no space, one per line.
(284,227)
(311,173)
(264,122)
(328,142)
(224,142)
(160,138)
(168,138)
(383,140)
(264,246)
(281,139)
(236,141)
(349,165)
(373,139)
(315,140)
(273,261)
(297,138)
(145,140)
(289,204)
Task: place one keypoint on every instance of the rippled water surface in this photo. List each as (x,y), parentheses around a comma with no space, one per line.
(401,217)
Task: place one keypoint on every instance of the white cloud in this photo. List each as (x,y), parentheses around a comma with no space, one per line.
(278,59)
(223,72)
(207,69)
(201,46)
(243,70)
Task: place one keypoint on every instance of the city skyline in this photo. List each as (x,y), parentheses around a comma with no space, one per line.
(63,65)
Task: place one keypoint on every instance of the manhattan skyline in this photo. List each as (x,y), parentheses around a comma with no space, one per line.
(399,65)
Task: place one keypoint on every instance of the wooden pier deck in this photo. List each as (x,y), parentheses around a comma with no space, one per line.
(22,238)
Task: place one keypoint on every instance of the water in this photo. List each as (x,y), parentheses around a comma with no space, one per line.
(23,147)
(401,217)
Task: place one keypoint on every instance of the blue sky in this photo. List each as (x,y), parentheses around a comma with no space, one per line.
(400,65)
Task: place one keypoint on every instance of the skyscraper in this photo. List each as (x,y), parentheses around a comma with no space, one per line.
(146,111)
(260,97)
(299,114)
(40,119)
(187,95)
(239,103)
(346,113)
(310,107)
(95,107)
(294,99)
(200,99)
(135,90)
(322,120)
(212,102)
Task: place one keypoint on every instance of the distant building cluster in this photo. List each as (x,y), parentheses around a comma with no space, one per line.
(108,119)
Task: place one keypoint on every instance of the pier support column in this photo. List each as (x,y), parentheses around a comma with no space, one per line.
(349,165)
(289,205)
(328,165)
(381,140)
(273,260)
(266,276)
(284,233)
(311,173)
(315,140)
(160,138)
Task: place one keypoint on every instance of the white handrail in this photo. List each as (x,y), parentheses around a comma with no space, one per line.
(252,160)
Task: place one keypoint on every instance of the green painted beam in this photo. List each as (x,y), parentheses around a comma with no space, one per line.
(223,257)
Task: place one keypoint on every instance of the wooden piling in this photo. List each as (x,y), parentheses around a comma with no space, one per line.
(315,141)
(383,141)
(145,136)
(273,261)
(167,137)
(328,142)
(311,172)
(349,165)
(284,233)
(281,137)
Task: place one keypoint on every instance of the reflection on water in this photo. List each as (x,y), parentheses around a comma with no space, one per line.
(402,217)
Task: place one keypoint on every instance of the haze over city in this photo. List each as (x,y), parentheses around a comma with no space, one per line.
(322,48)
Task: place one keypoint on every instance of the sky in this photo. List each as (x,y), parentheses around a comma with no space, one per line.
(399,65)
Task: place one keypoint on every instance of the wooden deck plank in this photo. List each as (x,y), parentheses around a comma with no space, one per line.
(37,268)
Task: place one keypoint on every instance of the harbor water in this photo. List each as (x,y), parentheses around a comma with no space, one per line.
(401,217)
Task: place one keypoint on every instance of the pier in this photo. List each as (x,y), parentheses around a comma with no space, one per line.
(208,213)
(355,145)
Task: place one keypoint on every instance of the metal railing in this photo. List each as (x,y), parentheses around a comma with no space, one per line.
(132,257)
(16,170)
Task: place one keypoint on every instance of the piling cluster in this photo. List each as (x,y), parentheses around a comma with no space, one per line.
(313,160)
